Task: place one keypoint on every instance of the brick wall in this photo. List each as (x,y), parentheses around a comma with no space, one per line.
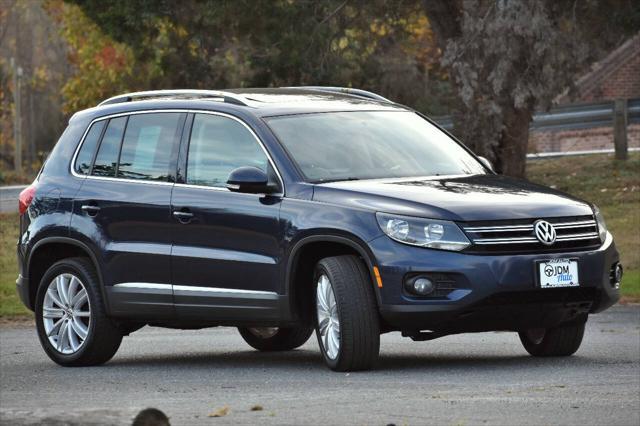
(616,76)
(579,140)
(624,82)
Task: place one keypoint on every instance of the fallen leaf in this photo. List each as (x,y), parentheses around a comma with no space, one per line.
(220,412)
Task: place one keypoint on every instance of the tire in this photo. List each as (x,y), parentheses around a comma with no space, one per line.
(357,319)
(275,339)
(102,337)
(563,340)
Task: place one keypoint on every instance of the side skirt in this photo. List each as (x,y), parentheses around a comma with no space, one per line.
(208,306)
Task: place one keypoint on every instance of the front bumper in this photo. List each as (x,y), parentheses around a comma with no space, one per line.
(499,292)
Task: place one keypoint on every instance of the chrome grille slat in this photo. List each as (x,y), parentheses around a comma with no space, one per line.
(585,224)
(506,241)
(576,231)
(573,237)
(499,229)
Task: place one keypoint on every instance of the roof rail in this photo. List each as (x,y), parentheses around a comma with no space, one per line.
(227,97)
(346,90)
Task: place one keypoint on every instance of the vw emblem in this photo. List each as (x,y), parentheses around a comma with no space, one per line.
(545,232)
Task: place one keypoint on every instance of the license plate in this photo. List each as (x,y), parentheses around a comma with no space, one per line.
(558,273)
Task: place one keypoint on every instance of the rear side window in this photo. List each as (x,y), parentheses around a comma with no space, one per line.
(85,156)
(148,144)
(218,146)
(107,157)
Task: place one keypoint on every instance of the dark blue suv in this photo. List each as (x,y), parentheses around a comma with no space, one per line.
(281,211)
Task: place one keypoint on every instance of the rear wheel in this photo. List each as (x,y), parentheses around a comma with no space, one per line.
(347,323)
(70,317)
(563,340)
(275,338)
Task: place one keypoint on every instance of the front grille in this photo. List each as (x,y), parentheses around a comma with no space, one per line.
(508,236)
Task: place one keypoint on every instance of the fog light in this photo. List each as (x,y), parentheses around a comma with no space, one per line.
(421,286)
(617,275)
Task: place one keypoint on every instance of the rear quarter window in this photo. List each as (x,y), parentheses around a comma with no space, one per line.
(107,157)
(88,149)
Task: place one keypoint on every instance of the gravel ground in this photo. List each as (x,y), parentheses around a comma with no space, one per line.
(457,380)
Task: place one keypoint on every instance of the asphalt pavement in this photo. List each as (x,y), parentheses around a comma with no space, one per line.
(468,379)
(9,198)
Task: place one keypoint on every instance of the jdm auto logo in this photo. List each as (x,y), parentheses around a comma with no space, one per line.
(545,232)
(548,270)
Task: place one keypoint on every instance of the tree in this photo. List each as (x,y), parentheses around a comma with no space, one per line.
(102,65)
(382,45)
(28,35)
(510,57)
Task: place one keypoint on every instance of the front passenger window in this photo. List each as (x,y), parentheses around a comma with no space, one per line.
(218,146)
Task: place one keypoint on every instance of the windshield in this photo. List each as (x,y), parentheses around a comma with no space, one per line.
(370,145)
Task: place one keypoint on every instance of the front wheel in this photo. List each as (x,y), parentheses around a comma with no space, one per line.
(563,340)
(347,323)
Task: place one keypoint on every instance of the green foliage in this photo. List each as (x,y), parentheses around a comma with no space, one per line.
(386,46)
(103,65)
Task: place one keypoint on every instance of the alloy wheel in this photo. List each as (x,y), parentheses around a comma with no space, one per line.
(66,313)
(328,320)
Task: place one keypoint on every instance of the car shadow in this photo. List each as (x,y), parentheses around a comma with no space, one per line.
(311,360)
(452,363)
(300,359)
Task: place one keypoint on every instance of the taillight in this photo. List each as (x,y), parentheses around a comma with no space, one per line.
(25,198)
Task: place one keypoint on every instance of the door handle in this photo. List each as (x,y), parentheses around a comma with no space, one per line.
(183,216)
(91,210)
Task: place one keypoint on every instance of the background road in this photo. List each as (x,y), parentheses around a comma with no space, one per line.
(457,380)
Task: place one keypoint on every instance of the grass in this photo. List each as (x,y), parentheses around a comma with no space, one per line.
(614,186)
(10,305)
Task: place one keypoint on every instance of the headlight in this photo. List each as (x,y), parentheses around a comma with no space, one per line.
(602,226)
(437,234)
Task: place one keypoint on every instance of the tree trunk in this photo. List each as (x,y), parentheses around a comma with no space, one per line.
(511,155)
(444,18)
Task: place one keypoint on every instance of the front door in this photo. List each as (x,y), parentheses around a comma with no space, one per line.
(226,246)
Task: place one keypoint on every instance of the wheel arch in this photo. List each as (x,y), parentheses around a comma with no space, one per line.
(50,250)
(306,252)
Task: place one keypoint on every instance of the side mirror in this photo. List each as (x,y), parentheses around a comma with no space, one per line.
(250,180)
(486,163)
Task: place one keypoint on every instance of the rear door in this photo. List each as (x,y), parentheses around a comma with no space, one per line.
(123,208)
(227,245)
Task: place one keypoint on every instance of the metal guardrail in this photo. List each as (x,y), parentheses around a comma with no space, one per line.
(9,198)
(542,155)
(572,117)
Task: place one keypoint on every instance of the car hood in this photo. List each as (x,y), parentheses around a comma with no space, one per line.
(466,198)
